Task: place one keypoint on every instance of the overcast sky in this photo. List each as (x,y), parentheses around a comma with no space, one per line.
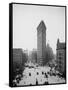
(26,19)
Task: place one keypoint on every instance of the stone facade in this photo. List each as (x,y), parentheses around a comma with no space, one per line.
(41,42)
(61,56)
(17,56)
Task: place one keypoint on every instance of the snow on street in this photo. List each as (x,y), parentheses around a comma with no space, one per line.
(39,75)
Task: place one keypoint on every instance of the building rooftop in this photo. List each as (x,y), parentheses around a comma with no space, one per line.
(61,45)
(41,25)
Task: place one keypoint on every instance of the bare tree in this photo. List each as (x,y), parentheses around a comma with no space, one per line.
(49,56)
(34,55)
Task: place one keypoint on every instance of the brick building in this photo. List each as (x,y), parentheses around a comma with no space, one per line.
(61,56)
(17,56)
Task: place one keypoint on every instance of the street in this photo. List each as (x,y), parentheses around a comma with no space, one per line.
(38,75)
